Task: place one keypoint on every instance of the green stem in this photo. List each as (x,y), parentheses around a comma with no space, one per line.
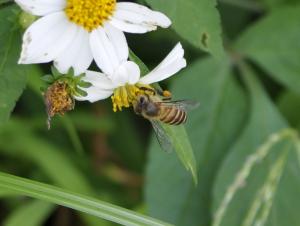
(73,134)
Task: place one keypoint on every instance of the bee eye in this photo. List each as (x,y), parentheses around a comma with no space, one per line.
(142,100)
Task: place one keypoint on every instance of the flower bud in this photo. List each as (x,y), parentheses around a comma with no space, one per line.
(58,99)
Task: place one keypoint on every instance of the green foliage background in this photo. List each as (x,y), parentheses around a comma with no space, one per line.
(244,69)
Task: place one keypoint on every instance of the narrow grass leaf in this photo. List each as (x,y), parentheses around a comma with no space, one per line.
(76,201)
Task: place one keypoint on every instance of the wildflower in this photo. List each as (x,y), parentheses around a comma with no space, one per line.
(125,83)
(74,32)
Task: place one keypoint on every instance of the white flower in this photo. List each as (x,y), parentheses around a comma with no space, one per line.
(74,32)
(123,81)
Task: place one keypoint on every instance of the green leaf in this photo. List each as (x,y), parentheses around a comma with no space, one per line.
(183,148)
(25,145)
(177,134)
(75,201)
(272,4)
(258,179)
(212,128)
(32,213)
(289,106)
(196,21)
(273,43)
(48,78)
(12,75)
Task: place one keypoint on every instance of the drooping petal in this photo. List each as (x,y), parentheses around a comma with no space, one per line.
(94,94)
(109,48)
(102,87)
(135,18)
(99,80)
(128,72)
(173,63)
(77,54)
(41,7)
(46,38)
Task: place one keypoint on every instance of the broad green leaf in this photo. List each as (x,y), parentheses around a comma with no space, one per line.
(76,201)
(289,106)
(6,193)
(273,43)
(12,75)
(32,213)
(177,134)
(277,3)
(196,21)
(259,179)
(170,194)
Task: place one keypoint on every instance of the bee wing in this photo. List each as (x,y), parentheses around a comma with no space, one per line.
(185,105)
(162,137)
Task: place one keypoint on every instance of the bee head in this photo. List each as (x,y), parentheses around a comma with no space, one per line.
(141,104)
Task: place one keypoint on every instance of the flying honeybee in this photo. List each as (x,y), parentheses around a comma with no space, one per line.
(158,108)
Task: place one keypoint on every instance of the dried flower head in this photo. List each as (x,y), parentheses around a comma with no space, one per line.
(61,92)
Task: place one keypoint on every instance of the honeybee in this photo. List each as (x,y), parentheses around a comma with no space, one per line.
(158,109)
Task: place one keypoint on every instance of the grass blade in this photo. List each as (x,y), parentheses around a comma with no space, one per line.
(75,201)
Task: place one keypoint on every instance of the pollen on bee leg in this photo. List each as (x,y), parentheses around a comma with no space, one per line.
(167,94)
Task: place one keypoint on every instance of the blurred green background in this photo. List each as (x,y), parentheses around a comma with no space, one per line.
(248,162)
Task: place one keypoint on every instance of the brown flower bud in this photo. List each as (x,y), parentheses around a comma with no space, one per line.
(58,100)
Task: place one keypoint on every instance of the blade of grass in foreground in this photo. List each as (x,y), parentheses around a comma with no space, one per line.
(177,134)
(75,201)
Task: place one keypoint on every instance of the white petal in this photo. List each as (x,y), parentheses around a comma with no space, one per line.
(109,48)
(101,88)
(128,72)
(129,27)
(46,38)
(173,63)
(119,41)
(99,80)
(135,18)
(41,7)
(94,94)
(77,54)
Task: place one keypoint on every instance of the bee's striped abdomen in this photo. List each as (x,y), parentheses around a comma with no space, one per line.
(173,115)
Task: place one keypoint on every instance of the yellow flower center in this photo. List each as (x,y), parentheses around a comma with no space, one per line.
(125,96)
(89,14)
